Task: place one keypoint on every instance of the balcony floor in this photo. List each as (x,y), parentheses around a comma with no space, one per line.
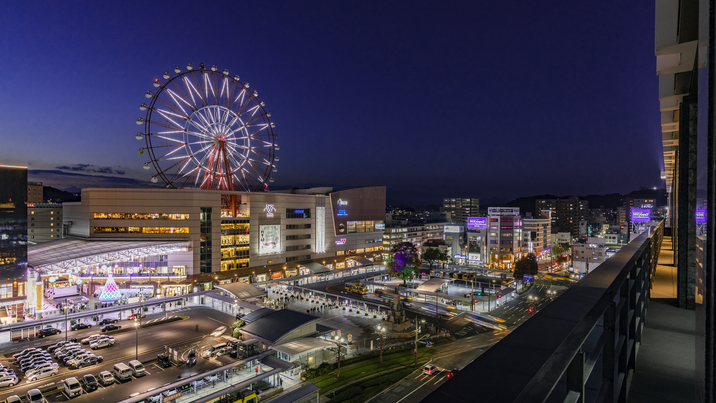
(665,364)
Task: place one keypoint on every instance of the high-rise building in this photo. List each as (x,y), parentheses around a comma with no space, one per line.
(13,235)
(631,203)
(44,222)
(34,192)
(461,209)
(537,233)
(567,214)
(504,236)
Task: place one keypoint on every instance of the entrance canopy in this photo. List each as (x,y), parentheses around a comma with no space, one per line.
(361,261)
(306,345)
(432,285)
(316,267)
(242,290)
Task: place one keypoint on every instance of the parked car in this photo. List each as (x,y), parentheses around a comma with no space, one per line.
(35,396)
(7,371)
(48,331)
(105,378)
(102,343)
(191,358)
(65,348)
(85,361)
(33,358)
(34,365)
(107,321)
(24,353)
(137,316)
(91,339)
(41,367)
(72,387)
(13,399)
(89,382)
(452,373)
(107,328)
(76,356)
(61,357)
(45,373)
(80,326)
(57,345)
(8,380)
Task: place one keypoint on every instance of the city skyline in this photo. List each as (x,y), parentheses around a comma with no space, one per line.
(354,86)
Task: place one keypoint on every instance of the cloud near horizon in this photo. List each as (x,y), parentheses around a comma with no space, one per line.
(79,180)
(89,168)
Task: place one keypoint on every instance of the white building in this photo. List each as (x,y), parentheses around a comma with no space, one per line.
(587,256)
(537,233)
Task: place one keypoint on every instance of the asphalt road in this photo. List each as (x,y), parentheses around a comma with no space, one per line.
(181,335)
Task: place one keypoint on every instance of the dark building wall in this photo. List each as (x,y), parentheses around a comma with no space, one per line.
(13,223)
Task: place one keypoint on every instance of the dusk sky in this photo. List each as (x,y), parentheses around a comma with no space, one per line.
(431,99)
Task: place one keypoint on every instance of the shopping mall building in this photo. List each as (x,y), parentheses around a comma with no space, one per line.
(183,240)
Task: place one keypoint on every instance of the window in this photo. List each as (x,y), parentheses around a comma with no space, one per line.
(298,213)
(298,226)
(143,216)
(297,247)
(297,258)
(295,237)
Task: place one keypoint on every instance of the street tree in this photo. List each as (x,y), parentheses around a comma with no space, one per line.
(403,261)
(526,265)
(431,256)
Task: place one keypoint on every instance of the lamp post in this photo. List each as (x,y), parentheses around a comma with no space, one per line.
(338,342)
(67,329)
(136,339)
(381,331)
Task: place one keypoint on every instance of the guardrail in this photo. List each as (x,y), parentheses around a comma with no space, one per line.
(580,347)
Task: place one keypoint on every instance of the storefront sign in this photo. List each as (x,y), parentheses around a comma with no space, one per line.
(379,226)
(341,241)
(452,229)
(269,209)
(700,215)
(459,256)
(477,222)
(342,213)
(474,257)
(503,210)
(342,202)
(640,215)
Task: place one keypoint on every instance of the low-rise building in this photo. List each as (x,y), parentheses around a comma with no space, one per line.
(587,256)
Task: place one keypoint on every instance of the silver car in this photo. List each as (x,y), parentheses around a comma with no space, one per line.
(8,380)
(45,373)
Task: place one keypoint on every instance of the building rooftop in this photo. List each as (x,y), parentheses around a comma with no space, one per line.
(275,325)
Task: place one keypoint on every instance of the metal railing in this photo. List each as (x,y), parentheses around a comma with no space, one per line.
(581,347)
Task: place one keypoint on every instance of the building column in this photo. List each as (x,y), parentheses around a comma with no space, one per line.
(686,214)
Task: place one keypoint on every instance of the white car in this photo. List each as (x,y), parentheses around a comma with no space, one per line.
(42,374)
(41,367)
(8,380)
(72,387)
(91,339)
(35,396)
(102,343)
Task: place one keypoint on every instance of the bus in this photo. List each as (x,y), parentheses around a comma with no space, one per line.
(357,288)
(468,276)
(488,321)
(557,276)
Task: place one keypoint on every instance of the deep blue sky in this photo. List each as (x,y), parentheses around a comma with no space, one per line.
(432,99)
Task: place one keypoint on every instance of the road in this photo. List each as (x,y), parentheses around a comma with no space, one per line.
(181,335)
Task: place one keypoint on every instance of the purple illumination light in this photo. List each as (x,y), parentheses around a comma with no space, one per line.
(701,216)
(640,215)
(477,222)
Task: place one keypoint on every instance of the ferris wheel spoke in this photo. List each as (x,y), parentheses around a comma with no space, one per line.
(165,113)
(179,100)
(198,134)
(190,86)
(172,152)
(172,166)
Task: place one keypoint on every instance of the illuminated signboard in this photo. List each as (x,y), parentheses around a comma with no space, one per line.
(342,202)
(474,257)
(297,211)
(452,229)
(503,210)
(379,226)
(342,213)
(477,222)
(700,215)
(269,239)
(640,215)
(269,209)
(341,241)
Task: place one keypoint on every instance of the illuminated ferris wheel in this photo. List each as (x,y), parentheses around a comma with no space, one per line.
(206,129)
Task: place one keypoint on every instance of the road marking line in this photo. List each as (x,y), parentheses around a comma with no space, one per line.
(438,380)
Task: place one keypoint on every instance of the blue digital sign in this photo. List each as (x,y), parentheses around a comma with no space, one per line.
(297,211)
(342,213)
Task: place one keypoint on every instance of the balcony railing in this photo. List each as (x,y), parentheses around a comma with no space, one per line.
(580,348)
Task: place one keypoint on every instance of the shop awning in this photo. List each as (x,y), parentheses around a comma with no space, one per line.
(361,260)
(242,290)
(432,285)
(316,267)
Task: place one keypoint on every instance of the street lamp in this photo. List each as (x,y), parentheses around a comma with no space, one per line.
(136,339)
(338,342)
(381,331)
(67,329)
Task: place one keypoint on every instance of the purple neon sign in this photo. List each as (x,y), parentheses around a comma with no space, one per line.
(700,215)
(477,222)
(640,215)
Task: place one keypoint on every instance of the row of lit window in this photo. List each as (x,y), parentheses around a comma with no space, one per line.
(241,252)
(234,240)
(234,264)
(364,226)
(143,230)
(235,226)
(136,216)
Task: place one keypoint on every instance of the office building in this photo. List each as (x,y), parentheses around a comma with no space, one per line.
(34,192)
(537,233)
(504,236)
(417,233)
(44,222)
(567,214)
(13,238)
(587,256)
(461,209)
